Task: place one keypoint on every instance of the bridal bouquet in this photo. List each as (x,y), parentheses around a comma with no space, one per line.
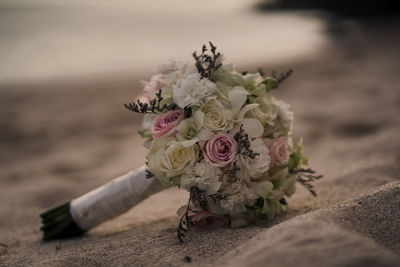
(215,132)
(220,135)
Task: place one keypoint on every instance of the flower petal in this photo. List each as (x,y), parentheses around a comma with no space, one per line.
(148,120)
(189,143)
(204,135)
(198,118)
(245,109)
(264,188)
(238,96)
(253,127)
(181,126)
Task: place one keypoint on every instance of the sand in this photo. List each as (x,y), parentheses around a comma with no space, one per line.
(61,139)
(339,235)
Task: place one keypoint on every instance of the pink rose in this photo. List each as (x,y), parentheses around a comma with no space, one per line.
(150,88)
(278,150)
(143,98)
(154,84)
(220,150)
(165,124)
(206,219)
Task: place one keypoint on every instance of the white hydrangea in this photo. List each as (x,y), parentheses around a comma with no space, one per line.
(239,196)
(265,112)
(275,115)
(252,169)
(169,66)
(192,90)
(285,115)
(171,72)
(204,177)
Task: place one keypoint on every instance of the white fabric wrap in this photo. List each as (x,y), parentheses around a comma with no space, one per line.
(113,198)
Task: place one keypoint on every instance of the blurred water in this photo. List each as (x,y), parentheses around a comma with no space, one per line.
(49,39)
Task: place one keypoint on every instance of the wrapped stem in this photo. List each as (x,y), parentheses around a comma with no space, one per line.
(113,198)
(99,205)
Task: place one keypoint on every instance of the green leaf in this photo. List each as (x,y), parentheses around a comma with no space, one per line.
(144,133)
(258,213)
(270,83)
(297,158)
(267,208)
(272,206)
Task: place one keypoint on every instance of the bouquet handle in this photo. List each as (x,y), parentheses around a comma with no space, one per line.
(99,205)
(113,198)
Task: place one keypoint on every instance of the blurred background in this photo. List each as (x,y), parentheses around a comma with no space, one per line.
(47,40)
(67,68)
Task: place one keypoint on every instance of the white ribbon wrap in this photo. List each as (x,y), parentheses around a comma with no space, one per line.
(113,198)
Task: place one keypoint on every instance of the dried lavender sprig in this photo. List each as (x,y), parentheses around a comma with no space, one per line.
(243,141)
(305,177)
(232,172)
(207,64)
(149,174)
(216,197)
(273,81)
(197,198)
(184,223)
(154,106)
(282,77)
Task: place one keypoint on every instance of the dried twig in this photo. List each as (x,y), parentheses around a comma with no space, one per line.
(243,141)
(281,77)
(154,106)
(305,177)
(197,198)
(207,64)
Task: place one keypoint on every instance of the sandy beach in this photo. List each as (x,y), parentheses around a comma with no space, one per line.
(61,138)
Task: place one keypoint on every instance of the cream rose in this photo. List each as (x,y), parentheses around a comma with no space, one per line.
(168,159)
(216,117)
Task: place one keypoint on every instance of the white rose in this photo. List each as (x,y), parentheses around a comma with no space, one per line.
(192,90)
(216,117)
(203,176)
(168,159)
(252,169)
